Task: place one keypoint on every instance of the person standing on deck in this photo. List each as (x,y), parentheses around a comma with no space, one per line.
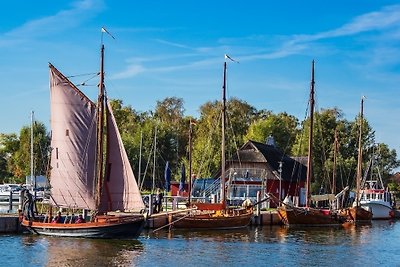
(28,205)
(159,198)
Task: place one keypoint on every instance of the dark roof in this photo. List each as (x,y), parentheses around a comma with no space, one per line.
(252,151)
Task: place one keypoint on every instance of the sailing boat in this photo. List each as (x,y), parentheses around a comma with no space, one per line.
(215,215)
(307,216)
(357,213)
(90,170)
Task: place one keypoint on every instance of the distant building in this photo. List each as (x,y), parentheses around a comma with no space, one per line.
(263,167)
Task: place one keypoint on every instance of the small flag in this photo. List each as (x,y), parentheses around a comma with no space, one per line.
(228,57)
(104,30)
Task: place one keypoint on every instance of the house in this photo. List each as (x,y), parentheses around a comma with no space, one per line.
(175,189)
(264,167)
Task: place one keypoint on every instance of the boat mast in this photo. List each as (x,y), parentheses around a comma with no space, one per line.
(310,138)
(33,178)
(154,160)
(335,150)
(190,161)
(359,161)
(140,160)
(223,137)
(100,125)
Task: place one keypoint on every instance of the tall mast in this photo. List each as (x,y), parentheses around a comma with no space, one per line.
(140,159)
(190,161)
(335,150)
(100,126)
(32,176)
(359,161)
(223,137)
(154,160)
(310,138)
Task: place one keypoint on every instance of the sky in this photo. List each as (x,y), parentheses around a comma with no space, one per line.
(176,49)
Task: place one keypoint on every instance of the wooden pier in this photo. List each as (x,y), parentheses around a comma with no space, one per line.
(9,223)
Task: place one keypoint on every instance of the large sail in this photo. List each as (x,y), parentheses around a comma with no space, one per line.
(73,142)
(120,190)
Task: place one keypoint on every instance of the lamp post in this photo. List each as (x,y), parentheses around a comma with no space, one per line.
(280,179)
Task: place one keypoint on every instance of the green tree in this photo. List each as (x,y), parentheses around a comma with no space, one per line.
(207,143)
(9,144)
(327,121)
(17,151)
(386,161)
(170,110)
(171,135)
(282,126)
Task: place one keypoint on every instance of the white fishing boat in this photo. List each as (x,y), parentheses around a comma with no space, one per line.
(374,196)
(378,200)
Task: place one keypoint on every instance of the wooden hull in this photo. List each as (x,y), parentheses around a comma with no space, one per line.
(211,220)
(357,215)
(308,217)
(103,227)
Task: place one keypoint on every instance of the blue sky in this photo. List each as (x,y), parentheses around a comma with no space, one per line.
(176,48)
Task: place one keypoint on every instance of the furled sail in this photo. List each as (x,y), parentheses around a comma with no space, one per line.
(73,142)
(120,190)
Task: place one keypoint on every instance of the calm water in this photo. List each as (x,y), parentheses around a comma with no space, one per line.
(374,245)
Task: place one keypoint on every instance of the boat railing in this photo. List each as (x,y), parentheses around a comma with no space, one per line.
(233,175)
(212,189)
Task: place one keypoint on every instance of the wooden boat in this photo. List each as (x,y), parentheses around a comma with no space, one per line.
(103,226)
(358,214)
(90,170)
(215,215)
(308,216)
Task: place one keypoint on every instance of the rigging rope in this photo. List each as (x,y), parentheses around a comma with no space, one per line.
(94,75)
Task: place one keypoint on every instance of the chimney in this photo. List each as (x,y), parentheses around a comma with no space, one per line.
(270,141)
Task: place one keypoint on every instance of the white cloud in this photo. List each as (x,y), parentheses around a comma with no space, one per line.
(63,19)
(130,71)
(385,19)
(388,18)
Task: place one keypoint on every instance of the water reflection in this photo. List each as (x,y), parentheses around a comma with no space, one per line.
(81,252)
(370,245)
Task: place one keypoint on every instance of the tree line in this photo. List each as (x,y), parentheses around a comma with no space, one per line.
(168,124)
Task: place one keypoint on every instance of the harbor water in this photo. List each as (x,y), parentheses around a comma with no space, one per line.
(371,245)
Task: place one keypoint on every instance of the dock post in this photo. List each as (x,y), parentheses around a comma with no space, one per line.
(151,204)
(21,199)
(10,200)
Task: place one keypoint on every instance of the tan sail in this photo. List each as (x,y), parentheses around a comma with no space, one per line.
(120,190)
(73,144)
